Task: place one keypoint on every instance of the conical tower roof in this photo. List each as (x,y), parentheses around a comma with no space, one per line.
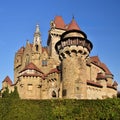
(59,22)
(73,25)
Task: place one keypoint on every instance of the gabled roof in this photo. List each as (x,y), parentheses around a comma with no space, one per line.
(31,66)
(8,80)
(59,22)
(73,25)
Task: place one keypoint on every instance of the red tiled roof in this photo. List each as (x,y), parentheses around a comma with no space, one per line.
(8,80)
(94,83)
(107,71)
(44,49)
(21,50)
(59,22)
(73,25)
(95,60)
(31,66)
(55,70)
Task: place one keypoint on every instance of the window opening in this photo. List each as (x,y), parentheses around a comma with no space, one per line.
(53,94)
(44,62)
(36,47)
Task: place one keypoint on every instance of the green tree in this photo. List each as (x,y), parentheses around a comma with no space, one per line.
(14,94)
(6,94)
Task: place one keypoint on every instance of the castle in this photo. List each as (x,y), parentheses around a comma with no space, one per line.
(63,69)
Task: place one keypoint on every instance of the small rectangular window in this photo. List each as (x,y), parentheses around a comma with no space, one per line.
(64,92)
(30,87)
(44,62)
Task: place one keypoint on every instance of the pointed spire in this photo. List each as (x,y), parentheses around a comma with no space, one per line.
(37,35)
(37,29)
(73,17)
(73,25)
(59,22)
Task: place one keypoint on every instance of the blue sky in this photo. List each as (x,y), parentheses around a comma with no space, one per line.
(99,19)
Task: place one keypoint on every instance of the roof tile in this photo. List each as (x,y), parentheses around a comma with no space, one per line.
(8,80)
(95,60)
(73,25)
(59,22)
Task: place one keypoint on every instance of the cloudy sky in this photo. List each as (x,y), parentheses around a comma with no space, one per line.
(99,19)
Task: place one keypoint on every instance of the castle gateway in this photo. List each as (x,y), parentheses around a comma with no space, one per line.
(62,69)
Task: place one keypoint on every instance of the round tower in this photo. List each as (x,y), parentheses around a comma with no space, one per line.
(73,49)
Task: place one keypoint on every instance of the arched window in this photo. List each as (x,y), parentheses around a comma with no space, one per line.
(53,94)
(36,47)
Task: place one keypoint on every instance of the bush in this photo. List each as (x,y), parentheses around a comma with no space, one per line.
(13,95)
(15,109)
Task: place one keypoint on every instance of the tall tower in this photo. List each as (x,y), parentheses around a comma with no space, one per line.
(57,28)
(37,45)
(73,49)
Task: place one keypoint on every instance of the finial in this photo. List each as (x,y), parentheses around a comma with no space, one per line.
(27,41)
(73,17)
(37,29)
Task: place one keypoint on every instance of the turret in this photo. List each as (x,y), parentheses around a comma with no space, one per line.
(57,28)
(37,45)
(73,49)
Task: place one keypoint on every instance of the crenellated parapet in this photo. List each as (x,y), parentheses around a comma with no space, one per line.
(73,43)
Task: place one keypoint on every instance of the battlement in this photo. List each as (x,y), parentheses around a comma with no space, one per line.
(73,42)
